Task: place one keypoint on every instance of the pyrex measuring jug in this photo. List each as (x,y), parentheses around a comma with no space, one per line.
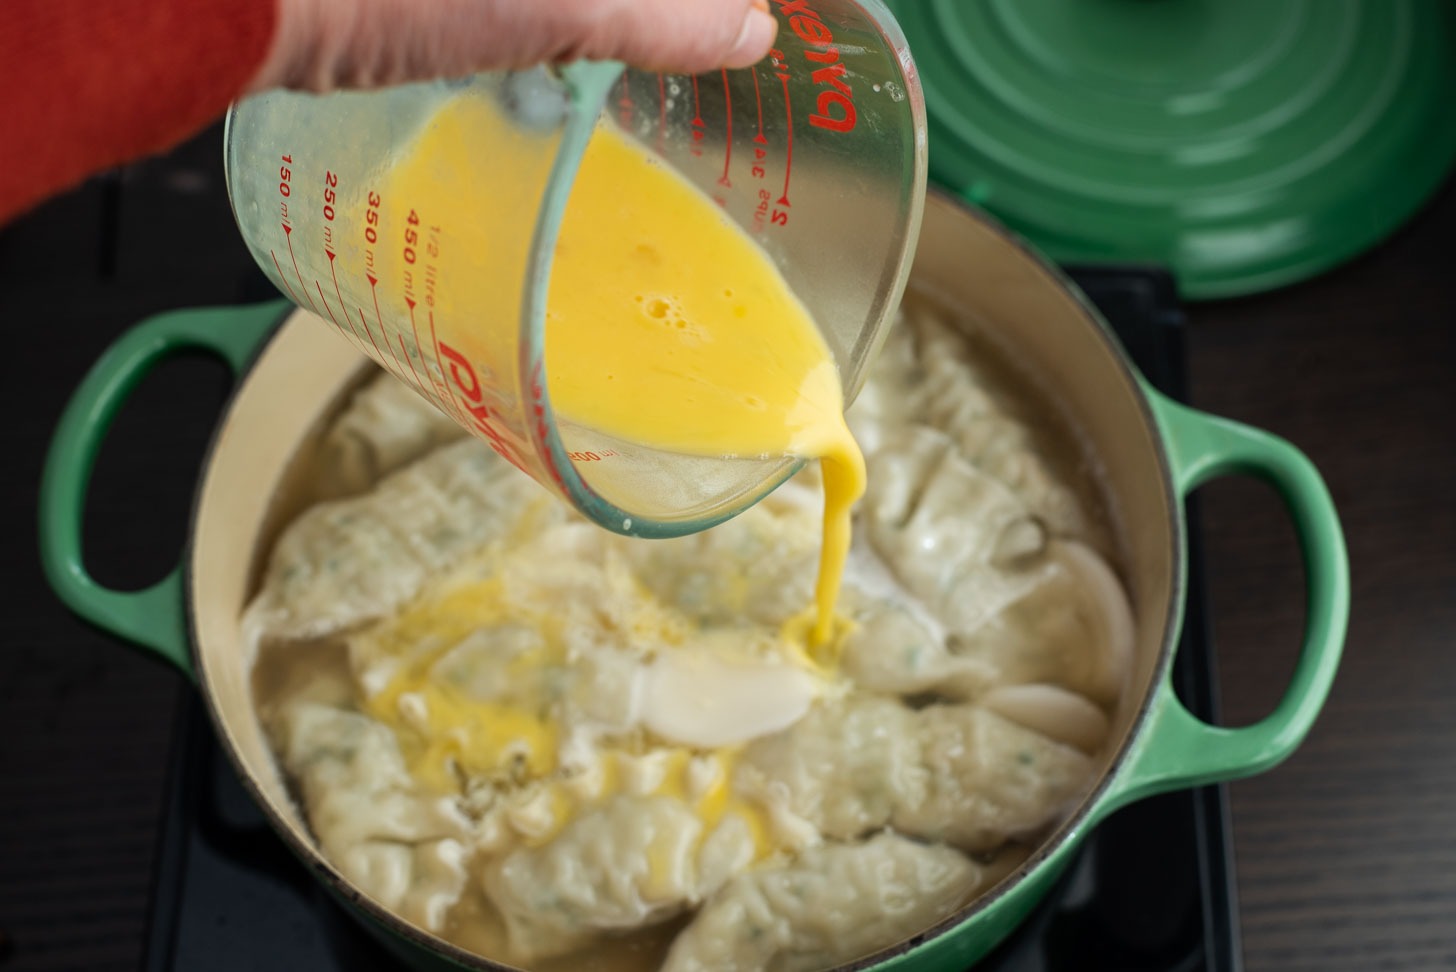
(819,152)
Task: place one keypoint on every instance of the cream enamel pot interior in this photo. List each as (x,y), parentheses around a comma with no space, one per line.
(1153,452)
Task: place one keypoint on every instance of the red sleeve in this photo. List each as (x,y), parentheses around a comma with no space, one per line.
(85,85)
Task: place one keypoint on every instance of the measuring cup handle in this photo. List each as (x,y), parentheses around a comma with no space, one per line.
(155,617)
(1179,750)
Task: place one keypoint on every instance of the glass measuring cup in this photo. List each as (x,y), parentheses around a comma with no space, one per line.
(819,152)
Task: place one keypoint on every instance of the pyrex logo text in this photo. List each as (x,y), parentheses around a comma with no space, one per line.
(471,397)
(835,104)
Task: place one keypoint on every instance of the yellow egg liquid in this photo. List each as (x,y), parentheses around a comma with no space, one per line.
(666,325)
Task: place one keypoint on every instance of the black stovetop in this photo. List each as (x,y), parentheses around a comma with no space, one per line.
(1151,891)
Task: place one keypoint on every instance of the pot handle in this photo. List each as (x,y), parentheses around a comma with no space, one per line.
(155,617)
(1178,750)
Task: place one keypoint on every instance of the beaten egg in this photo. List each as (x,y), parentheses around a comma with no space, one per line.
(579,684)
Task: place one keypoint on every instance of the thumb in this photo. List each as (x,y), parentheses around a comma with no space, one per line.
(686,36)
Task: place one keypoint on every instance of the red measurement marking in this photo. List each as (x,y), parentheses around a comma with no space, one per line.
(661,112)
(789,145)
(343,307)
(288,234)
(447,397)
(418,383)
(379,355)
(758,100)
(728,121)
(354,328)
(286,284)
(398,365)
(331,314)
(326,304)
(374,289)
(697,105)
(440,391)
(435,341)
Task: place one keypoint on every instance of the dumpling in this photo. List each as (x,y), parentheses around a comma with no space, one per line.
(892,649)
(1073,627)
(888,399)
(355,781)
(950,391)
(356,560)
(946,389)
(956,537)
(386,425)
(779,537)
(1052,711)
(988,779)
(498,624)
(833,904)
(1021,605)
(955,773)
(419,882)
(632,862)
(1080,642)
(406,847)
(843,769)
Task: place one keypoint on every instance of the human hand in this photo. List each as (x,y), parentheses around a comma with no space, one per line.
(321,45)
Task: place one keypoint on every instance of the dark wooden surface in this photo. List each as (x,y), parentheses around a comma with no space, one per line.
(1346,855)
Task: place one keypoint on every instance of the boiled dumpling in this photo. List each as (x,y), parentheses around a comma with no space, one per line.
(779,536)
(948,390)
(1052,711)
(632,862)
(956,537)
(355,781)
(1079,640)
(894,650)
(954,773)
(355,560)
(402,845)
(386,425)
(833,904)
(887,402)
(1073,627)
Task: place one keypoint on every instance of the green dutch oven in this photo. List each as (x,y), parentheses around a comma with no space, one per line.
(293,375)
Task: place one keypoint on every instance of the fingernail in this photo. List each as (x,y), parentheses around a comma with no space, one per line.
(759,30)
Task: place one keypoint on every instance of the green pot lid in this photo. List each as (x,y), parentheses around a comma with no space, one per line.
(1245,143)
